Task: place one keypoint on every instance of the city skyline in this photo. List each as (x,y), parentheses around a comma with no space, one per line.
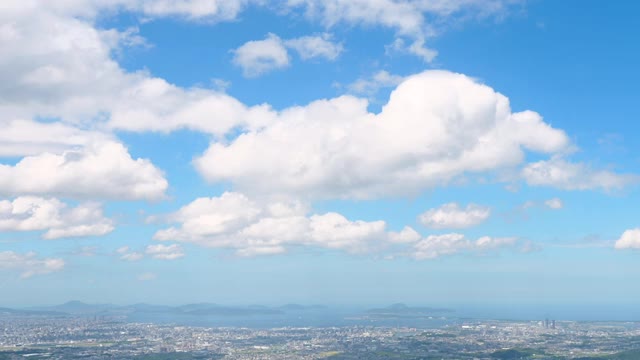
(345,152)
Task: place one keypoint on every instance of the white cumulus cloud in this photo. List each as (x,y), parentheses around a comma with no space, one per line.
(630,239)
(257,57)
(103,170)
(566,175)
(160,252)
(554,203)
(28,137)
(452,216)
(234,221)
(126,254)
(61,67)
(260,56)
(457,126)
(165,252)
(29,264)
(194,10)
(412,20)
(315,46)
(434,246)
(404,236)
(57,219)
(209,10)
(370,85)
(152,104)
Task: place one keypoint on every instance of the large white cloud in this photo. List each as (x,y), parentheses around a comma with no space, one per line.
(251,227)
(61,67)
(29,264)
(30,213)
(102,170)
(57,66)
(436,126)
(630,239)
(452,216)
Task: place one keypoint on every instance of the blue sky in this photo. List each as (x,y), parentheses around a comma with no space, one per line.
(339,152)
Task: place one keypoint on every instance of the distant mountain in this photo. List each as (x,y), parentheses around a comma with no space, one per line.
(219,310)
(77,308)
(20,312)
(404,310)
(194,307)
(298,307)
(142,307)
